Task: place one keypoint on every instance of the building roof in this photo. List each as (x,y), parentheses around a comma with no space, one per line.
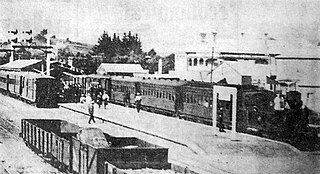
(106,68)
(19,64)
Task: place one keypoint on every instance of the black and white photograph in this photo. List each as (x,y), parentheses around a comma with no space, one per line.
(159,86)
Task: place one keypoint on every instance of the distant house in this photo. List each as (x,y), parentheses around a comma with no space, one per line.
(120,69)
(23,65)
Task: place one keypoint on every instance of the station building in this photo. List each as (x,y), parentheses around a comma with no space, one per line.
(121,69)
(219,59)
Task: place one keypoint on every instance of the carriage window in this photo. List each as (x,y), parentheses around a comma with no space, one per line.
(170,96)
(160,94)
(228,106)
(173,97)
(195,62)
(200,100)
(190,62)
(201,61)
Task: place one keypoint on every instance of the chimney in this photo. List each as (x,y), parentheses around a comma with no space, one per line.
(242,44)
(203,37)
(160,66)
(266,44)
(214,34)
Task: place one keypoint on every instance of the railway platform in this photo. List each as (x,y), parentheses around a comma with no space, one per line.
(197,146)
(190,144)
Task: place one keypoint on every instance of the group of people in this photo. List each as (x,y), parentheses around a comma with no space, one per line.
(103,99)
(70,92)
(137,100)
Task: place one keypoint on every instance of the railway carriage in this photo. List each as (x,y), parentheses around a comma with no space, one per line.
(162,95)
(31,87)
(120,86)
(197,103)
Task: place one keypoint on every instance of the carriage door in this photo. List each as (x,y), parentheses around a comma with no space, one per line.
(8,82)
(225,98)
(21,85)
(137,86)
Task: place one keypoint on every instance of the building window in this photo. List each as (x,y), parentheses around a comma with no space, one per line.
(190,62)
(201,61)
(195,62)
(209,62)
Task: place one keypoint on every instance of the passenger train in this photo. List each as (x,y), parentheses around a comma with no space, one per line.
(187,100)
(31,87)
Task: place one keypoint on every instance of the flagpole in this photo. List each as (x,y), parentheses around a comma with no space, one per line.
(212,56)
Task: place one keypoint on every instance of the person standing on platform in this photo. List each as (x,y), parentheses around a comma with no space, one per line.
(99,99)
(128,98)
(88,99)
(82,99)
(105,98)
(278,107)
(220,115)
(91,110)
(138,101)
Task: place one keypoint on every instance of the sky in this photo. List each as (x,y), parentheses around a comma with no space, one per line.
(166,25)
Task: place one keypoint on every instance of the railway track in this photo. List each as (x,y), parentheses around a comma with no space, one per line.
(16,163)
(132,128)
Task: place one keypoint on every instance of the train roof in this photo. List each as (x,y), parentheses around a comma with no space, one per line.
(126,78)
(26,74)
(164,82)
(98,76)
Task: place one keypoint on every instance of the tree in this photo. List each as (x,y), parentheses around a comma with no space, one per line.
(64,54)
(112,47)
(86,64)
(106,46)
(40,38)
(23,54)
(152,53)
(5,58)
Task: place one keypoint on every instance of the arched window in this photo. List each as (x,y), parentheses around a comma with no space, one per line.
(209,62)
(195,62)
(201,61)
(190,62)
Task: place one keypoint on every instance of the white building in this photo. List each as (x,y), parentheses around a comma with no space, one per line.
(121,69)
(249,63)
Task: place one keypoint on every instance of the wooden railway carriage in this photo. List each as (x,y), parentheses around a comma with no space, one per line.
(162,95)
(122,85)
(29,86)
(198,100)
(197,103)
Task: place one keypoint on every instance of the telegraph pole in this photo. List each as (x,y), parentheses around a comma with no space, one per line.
(48,57)
(12,41)
(212,56)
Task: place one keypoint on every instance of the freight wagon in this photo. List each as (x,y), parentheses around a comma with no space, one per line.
(57,140)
